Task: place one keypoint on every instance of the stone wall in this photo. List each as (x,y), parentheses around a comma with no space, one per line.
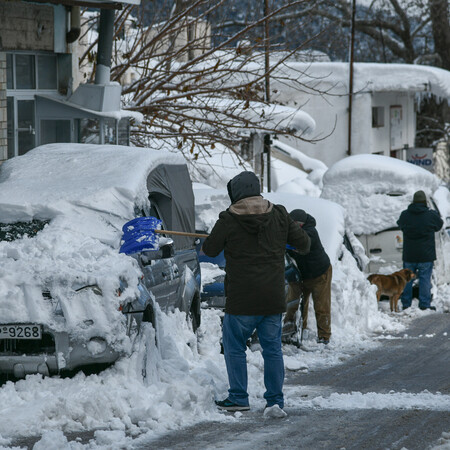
(3,117)
(25,26)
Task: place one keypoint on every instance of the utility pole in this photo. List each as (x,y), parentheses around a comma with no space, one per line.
(350,83)
(267,87)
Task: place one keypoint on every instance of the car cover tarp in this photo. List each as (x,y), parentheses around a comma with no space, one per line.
(170,187)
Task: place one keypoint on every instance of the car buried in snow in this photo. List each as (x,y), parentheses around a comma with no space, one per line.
(68,297)
(374,190)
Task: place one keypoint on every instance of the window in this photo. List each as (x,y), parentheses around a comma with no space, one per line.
(377,116)
(124,132)
(10,125)
(25,72)
(47,72)
(25,125)
(9,71)
(55,131)
(28,72)
(109,131)
(89,131)
(26,75)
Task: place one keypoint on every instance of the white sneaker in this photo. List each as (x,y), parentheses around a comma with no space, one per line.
(274,412)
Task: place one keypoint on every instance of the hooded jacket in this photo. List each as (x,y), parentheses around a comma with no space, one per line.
(316,262)
(419,223)
(253,234)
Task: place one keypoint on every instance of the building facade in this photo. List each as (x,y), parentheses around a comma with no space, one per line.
(41,98)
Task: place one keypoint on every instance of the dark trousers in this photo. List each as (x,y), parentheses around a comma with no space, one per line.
(320,289)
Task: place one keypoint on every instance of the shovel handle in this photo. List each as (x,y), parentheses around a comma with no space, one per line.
(181,233)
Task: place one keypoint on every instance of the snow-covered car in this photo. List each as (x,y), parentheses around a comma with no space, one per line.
(68,296)
(330,218)
(375,189)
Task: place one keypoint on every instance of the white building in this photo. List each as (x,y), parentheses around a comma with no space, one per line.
(384,105)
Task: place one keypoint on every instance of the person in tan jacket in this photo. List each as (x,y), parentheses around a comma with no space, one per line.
(316,273)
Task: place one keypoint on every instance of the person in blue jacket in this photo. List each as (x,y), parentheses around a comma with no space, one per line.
(419,224)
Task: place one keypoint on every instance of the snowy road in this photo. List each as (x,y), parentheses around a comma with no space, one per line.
(396,396)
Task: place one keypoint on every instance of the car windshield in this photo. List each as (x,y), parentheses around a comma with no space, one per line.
(12,231)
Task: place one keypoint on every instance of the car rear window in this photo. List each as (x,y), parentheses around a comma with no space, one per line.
(12,231)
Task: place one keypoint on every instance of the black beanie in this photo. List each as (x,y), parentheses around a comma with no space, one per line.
(420,197)
(299,215)
(244,185)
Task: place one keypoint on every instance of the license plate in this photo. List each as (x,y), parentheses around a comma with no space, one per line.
(22,331)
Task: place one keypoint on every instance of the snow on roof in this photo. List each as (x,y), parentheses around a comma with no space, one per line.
(267,117)
(308,163)
(375,189)
(52,178)
(373,77)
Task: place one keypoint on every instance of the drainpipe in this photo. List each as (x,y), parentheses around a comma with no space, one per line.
(75,25)
(104,48)
(350,83)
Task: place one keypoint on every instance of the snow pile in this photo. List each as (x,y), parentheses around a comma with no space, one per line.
(394,400)
(182,378)
(289,180)
(375,189)
(442,198)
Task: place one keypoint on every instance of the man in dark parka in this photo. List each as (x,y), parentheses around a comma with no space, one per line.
(253,234)
(419,224)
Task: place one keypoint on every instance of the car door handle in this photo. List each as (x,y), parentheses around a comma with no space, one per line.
(375,250)
(176,272)
(164,274)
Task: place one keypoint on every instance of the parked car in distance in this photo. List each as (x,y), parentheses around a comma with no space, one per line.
(374,190)
(68,298)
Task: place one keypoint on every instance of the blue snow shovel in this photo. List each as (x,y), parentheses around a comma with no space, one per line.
(142,234)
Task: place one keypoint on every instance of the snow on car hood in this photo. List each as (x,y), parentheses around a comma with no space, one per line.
(88,192)
(375,189)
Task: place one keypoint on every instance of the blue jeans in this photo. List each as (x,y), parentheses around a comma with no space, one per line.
(237,329)
(423,272)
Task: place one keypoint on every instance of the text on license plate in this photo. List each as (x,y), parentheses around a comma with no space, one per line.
(21,331)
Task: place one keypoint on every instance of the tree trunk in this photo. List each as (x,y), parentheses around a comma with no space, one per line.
(441,30)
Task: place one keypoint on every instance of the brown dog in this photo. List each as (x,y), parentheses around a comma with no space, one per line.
(392,285)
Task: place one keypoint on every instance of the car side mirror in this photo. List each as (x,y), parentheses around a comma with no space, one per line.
(167,250)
